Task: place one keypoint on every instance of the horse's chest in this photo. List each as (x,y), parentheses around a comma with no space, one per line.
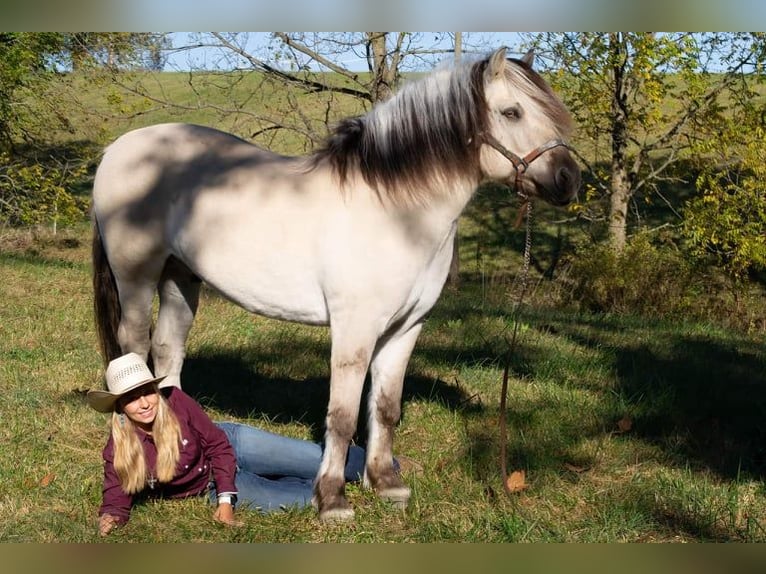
(429,282)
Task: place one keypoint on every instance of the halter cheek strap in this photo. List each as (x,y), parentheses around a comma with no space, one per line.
(521,163)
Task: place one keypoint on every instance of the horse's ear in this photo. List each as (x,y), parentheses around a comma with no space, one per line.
(529,58)
(496,64)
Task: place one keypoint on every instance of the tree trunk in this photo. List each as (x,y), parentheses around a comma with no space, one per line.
(383,76)
(620,184)
(618,207)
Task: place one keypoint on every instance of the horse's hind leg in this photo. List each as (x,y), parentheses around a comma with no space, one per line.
(384,410)
(136,296)
(179,296)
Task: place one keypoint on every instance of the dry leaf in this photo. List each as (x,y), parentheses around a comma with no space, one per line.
(625,424)
(515,482)
(47,479)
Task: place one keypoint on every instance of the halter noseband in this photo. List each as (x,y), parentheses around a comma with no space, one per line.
(521,163)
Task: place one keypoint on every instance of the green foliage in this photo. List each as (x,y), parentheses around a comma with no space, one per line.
(36,194)
(642,279)
(23,62)
(727,222)
(642,101)
(114,49)
(38,107)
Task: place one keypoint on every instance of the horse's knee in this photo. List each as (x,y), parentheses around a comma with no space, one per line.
(387,411)
(341,424)
(132,342)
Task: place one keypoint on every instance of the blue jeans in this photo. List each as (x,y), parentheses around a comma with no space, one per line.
(275,471)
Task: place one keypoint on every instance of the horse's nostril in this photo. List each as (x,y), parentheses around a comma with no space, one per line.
(566,180)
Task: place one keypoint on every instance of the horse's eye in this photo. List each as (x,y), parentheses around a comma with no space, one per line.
(512,113)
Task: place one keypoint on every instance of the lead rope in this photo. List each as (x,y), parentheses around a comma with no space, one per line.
(512,344)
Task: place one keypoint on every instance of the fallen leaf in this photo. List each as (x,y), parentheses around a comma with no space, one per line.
(625,424)
(515,482)
(47,479)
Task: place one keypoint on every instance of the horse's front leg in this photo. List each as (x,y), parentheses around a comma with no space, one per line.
(349,363)
(388,368)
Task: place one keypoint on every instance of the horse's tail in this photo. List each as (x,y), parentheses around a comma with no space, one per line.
(106,301)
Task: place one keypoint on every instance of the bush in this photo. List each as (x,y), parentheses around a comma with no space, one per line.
(726,222)
(643,279)
(37,194)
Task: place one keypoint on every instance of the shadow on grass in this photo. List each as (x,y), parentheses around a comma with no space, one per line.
(704,399)
(38,259)
(701,398)
(229,383)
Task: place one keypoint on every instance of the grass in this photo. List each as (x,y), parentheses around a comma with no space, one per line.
(628,429)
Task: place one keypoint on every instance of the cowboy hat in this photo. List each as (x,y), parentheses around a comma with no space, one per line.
(122,376)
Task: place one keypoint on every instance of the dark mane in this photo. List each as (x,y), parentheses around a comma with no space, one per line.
(414,143)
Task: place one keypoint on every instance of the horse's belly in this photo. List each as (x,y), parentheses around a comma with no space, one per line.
(265,280)
(290,299)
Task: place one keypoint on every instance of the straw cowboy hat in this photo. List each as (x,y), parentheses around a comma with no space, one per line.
(122,376)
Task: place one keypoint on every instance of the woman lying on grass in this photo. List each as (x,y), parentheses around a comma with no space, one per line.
(163,444)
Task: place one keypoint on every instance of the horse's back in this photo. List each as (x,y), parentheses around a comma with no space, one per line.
(174,154)
(147,173)
(274,234)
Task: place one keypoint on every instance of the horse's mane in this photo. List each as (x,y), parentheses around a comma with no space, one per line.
(415,143)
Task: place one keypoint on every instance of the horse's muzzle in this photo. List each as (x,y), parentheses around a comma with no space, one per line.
(566,183)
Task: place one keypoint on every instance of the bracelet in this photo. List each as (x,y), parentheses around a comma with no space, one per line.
(224,498)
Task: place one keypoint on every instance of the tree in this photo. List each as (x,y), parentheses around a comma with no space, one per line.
(24,59)
(647,97)
(113,49)
(727,221)
(36,171)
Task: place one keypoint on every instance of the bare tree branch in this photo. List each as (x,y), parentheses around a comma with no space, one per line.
(306,83)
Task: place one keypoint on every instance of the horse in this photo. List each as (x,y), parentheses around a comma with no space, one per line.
(357,235)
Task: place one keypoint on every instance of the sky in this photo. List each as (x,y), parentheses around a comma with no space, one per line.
(205,58)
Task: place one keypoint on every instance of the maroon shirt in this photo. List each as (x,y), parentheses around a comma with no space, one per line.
(204,449)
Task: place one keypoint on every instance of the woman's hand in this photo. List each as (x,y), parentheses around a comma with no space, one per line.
(225,515)
(106,523)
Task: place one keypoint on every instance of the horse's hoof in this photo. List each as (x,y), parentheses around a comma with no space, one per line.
(336,515)
(398,496)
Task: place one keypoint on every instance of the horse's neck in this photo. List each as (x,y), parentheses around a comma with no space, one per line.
(452,202)
(443,209)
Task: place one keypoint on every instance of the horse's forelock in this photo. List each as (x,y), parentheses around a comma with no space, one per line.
(533,84)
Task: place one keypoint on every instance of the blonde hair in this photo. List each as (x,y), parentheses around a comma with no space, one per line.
(129,459)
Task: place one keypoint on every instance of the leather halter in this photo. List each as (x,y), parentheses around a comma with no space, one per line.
(521,163)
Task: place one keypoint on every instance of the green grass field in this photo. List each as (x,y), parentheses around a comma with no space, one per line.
(628,429)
